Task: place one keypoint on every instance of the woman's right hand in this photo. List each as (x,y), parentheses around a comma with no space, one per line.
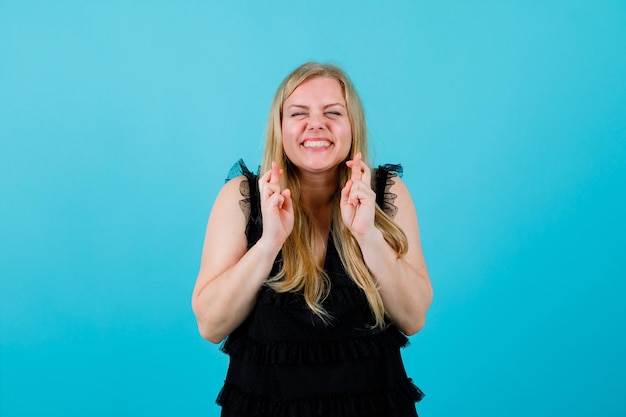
(276,208)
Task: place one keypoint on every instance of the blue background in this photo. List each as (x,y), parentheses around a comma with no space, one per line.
(120,119)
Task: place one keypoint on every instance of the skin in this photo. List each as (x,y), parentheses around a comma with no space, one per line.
(316,139)
(315,114)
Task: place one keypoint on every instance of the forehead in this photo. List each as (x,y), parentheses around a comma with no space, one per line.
(317,89)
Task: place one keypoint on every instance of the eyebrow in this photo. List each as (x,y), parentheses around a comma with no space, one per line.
(302,106)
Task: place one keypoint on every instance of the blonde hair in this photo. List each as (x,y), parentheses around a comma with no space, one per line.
(299,270)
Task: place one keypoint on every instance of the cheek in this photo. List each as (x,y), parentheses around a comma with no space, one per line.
(347,134)
(349,141)
(346,149)
(289,136)
(289,139)
(345,127)
(289,131)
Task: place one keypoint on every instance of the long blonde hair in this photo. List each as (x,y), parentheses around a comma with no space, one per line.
(300,271)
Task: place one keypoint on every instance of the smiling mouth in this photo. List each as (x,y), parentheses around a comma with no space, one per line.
(316,144)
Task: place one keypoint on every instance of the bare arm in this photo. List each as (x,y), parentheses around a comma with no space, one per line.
(404,283)
(230,276)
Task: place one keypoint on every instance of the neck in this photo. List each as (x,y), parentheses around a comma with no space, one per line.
(317,190)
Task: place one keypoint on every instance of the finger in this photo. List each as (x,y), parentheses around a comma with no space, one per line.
(271,189)
(367,175)
(345,193)
(361,191)
(267,188)
(263,184)
(279,200)
(287,202)
(265,178)
(275,201)
(355,193)
(356,167)
(275,174)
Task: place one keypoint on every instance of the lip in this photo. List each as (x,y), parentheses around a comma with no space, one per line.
(316,139)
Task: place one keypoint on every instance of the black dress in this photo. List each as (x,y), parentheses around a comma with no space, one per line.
(286,362)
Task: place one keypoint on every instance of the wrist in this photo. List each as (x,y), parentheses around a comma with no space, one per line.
(372,238)
(268,247)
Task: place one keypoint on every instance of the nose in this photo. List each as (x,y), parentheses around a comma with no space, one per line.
(316,121)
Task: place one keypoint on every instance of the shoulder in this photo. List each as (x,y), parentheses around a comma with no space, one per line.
(237,208)
(242,179)
(225,238)
(232,189)
(400,193)
(397,186)
(230,199)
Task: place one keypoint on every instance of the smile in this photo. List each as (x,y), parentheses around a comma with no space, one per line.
(316,144)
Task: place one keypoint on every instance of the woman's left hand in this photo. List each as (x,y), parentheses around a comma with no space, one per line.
(402,281)
(358,200)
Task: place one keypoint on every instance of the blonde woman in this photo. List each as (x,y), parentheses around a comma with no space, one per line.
(313,271)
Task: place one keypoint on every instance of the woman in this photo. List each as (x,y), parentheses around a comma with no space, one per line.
(315,283)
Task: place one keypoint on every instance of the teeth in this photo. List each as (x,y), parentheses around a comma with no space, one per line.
(316,144)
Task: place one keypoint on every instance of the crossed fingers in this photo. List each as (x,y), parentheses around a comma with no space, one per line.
(359,182)
(269,183)
(270,188)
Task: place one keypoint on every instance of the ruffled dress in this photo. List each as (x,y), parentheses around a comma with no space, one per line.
(287,362)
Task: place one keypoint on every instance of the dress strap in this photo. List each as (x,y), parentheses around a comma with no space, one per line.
(249,204)
(384,180)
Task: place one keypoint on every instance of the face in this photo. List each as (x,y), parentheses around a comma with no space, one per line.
(316,130)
